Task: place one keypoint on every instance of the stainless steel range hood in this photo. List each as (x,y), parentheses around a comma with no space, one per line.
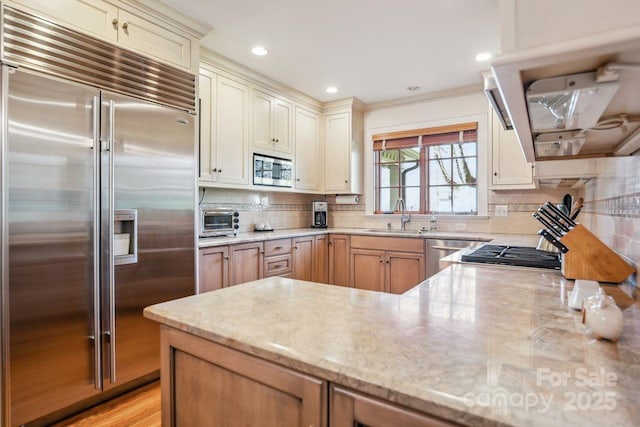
(539,80)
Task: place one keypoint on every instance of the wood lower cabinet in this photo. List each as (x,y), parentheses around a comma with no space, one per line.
(302,253)
(353,409)
(404,271)
(246,262)
(214,268)
(207,384)
(321,258)
(368,269)
(395,266)
(339,259)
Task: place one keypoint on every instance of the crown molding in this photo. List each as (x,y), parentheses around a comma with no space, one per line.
(431,96)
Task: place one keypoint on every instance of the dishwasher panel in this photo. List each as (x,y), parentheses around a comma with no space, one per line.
(440,248)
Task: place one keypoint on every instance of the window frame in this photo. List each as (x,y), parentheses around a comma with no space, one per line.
(468,132)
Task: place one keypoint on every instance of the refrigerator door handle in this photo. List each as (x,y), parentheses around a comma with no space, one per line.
(111,335)
(97,345)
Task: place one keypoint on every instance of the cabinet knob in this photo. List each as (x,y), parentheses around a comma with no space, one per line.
(125,26)
(495,174)
(277,140)
(346,181)
(298,179)
(115,22)
(226,258)
(219,170)
(214,170)
(295,247)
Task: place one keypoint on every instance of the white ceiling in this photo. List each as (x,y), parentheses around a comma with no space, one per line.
(370,49)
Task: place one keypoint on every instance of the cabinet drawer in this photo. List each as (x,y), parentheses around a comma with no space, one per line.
(277,247)
(277,265)
(404,244)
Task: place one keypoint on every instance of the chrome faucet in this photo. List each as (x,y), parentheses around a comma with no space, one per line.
(404,217)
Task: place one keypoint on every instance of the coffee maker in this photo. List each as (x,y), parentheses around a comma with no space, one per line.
(319,214)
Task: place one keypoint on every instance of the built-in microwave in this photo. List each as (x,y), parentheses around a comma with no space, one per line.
(272,171)
(219,222)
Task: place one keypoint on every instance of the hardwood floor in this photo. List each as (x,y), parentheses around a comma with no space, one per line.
(138,408)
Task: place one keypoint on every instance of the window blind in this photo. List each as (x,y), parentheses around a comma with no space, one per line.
(429,136)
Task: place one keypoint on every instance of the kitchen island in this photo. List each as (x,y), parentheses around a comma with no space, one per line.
(473,345)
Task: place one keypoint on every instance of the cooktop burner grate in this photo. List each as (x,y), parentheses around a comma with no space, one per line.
(522,256)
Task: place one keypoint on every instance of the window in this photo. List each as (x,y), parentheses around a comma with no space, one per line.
(433,170)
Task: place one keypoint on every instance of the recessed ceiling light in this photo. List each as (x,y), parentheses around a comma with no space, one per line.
(259,51)
(484,56)
(413,88)
(332,89)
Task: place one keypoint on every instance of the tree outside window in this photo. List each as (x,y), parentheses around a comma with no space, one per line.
(433,170)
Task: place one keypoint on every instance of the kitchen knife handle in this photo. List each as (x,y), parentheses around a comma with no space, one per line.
(557,224)
(560,214)
(550,227)
(554,241)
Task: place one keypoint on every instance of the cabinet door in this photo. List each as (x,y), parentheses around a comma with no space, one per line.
(261,120)
(94,17)
(321,259)
(302,252)
(510,170)
(214,268)
(337,152)
(232,131)
(339,259)
(404,271)
(367,269)
(308,156)
(206,85)
(271,123)
(282,125)
(207,384)
(349,409)
(246,262)
(151,39)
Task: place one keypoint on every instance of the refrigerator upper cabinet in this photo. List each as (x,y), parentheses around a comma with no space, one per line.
(50,216)
(151,164)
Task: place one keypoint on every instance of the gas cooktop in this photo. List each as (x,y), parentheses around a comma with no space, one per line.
(521,256)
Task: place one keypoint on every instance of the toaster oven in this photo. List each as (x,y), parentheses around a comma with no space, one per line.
(219,222)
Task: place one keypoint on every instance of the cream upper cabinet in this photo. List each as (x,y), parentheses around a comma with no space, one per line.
(94,17)
(122,27)
(308,160)
(272,123)
(224,129)
(343,140)
(146,37)
(509,168)
(232,131)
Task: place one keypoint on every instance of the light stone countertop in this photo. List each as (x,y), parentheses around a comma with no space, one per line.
(474,344)
(257,236)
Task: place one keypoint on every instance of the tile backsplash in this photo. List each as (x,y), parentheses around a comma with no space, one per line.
(290,210)
(612,206)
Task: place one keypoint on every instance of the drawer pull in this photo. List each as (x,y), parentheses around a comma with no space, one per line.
(277,248)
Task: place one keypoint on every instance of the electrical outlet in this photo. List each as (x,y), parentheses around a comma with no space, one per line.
(502,210)
(461,226)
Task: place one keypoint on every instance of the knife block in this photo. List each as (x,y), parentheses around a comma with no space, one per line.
(590,259)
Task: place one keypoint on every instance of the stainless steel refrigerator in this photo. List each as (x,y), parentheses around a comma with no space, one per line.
(98,223)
